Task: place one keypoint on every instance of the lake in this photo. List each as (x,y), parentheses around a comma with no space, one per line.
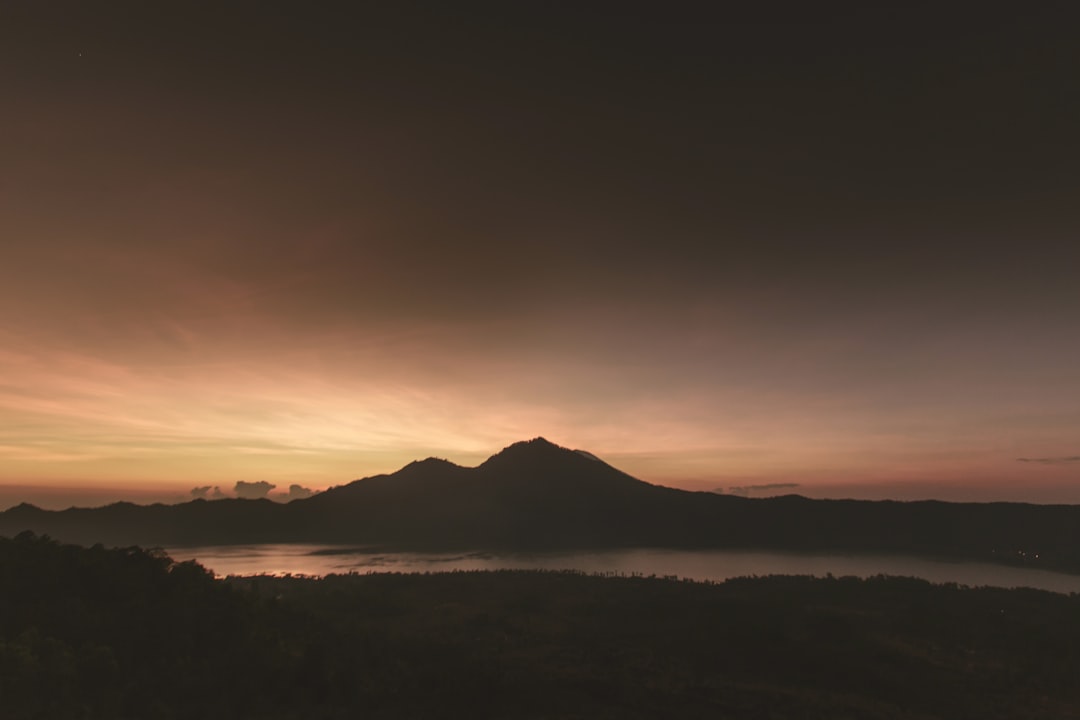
(694,564)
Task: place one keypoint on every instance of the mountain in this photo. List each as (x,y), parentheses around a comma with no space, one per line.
(535,495)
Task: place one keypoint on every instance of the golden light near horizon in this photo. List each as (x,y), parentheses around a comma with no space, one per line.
(302,418)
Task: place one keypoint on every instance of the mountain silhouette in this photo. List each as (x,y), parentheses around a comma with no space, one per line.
(536,495)
(532,494)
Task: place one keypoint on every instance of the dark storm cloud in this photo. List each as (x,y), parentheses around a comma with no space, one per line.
(1051,460)
(253,490)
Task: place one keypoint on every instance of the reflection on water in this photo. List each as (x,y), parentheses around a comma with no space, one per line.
(695,564)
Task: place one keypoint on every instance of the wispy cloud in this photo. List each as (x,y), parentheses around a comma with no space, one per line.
(1051,460)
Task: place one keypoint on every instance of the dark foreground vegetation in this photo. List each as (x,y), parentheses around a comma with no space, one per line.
(100,633)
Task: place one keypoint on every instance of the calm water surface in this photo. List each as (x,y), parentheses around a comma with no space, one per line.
(695,564)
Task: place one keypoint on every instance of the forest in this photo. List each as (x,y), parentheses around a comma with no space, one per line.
(129,633)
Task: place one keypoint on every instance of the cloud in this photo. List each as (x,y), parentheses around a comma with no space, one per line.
(213,492)
(752,489)
(1051,460)
(253,490)
(297,492)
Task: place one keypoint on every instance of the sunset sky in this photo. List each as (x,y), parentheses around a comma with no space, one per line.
(834,248)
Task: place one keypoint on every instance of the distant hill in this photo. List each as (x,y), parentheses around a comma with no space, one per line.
(535,495)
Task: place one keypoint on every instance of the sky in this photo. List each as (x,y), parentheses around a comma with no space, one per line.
(826,248)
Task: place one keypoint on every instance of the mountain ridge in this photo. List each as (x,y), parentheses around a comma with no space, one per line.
(535,495)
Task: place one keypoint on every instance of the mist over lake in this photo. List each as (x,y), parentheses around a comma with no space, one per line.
(714,565)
